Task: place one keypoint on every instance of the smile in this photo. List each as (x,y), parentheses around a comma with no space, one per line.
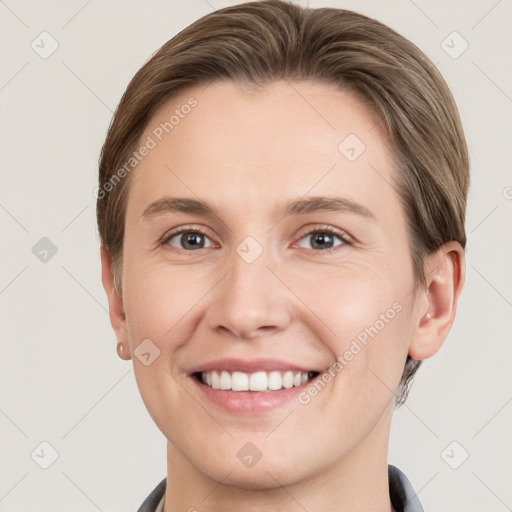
(260,381)
(253,387)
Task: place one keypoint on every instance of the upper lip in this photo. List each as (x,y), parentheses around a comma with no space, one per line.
(250,366)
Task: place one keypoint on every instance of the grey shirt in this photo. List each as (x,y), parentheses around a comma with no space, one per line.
(401,493)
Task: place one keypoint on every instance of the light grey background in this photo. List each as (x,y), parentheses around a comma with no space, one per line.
(61,380)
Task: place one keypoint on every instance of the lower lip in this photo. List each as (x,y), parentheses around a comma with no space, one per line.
(250,402)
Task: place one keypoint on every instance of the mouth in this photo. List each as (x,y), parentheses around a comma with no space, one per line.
(254,387)
(251,388)
(259,381)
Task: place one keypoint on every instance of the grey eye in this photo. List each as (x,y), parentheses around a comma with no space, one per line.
(190,241)
(320,240)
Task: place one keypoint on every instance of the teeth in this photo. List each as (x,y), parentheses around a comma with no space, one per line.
(215,380)
(239,381)
(275,381)
(288,380)
(258,381)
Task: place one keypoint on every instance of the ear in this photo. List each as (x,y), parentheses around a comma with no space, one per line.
(115,303)
(436,305)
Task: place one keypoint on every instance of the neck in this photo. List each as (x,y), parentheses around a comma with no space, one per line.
(359,481)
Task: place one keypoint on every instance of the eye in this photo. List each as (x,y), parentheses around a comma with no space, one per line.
(323,239)
(188,240)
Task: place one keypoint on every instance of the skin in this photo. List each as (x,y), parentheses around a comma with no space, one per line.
(247,153)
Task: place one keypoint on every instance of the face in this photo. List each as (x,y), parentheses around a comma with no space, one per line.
(266,255)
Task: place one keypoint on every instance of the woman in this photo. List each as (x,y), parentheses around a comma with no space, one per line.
(281,206)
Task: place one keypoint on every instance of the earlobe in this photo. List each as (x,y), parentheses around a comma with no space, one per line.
(115,302)
(436,304)
(122,353)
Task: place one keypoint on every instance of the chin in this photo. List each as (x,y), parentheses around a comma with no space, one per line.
(259,477)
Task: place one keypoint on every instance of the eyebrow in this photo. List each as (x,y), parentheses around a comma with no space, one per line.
(300,206)
(178,204)
(326,204)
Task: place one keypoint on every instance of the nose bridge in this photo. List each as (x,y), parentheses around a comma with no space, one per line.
(251,299)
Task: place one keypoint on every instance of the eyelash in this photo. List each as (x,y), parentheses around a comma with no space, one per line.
(165,239)
(344,237)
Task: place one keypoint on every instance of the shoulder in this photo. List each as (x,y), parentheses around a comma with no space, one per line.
(151,503)
(403,497)
(402,494)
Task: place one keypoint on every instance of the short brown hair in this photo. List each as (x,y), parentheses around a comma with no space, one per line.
(258,42)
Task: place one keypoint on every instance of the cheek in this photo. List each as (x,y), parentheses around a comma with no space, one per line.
(159,306)
(350,300)
(159,302)
(368,320)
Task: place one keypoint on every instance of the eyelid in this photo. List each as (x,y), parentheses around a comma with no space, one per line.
(322,228)
(164,239)
(308,230)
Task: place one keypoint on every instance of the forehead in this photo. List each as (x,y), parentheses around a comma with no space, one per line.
(230,143)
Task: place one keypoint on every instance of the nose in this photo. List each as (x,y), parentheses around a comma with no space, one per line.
(250,300)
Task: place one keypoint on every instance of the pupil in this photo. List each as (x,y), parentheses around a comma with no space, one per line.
(192,241)
(322,241)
